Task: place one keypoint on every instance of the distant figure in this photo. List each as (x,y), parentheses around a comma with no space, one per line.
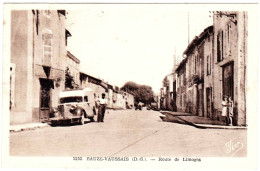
(102,108)
(230,111)
(225,109)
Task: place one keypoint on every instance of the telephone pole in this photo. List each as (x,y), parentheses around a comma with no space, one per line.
(188,28)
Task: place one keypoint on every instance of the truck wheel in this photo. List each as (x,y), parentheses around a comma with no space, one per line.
(82,119)
(92,119)
(53,123)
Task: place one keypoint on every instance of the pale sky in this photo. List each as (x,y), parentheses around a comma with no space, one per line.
(132,42)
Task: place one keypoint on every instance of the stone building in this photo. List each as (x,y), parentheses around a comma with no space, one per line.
(72,71)
(129,99)
(93,83)
(230,55)
(196,77)
(215,66)
(181,101)
(169,92)
(38,52)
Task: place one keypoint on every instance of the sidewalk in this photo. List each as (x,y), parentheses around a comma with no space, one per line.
(196,121)
(27,126)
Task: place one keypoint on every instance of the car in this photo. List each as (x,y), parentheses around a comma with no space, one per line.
(138,107)
(154,106)
(74,106)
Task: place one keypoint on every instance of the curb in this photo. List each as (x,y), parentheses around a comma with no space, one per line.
(206,126)
(17,128)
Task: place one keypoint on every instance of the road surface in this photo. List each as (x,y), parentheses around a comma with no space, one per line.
(129,133)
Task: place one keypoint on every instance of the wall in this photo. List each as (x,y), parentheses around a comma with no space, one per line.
(181,90)
(208,73)
(53,23)
(234,51)
(21,57)
(73,68)
(27,54)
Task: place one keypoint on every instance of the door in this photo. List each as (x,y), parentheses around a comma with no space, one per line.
(209,101)
(88,106)
(45,99)
(228,83)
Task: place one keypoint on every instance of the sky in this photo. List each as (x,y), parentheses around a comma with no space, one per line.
(132,42)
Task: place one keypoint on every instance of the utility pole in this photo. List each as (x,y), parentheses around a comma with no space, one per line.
(174,59)
(188,28)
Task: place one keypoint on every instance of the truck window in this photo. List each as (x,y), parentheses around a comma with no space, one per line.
(85,98)
(71,99)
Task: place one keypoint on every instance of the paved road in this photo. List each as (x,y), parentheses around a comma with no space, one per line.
(129,133)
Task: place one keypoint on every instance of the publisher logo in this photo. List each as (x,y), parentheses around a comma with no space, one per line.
(232,147)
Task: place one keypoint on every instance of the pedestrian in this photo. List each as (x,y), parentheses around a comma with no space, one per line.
(230,111)
(225,109)
(102,108)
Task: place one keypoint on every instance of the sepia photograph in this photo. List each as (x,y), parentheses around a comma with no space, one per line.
(95,85)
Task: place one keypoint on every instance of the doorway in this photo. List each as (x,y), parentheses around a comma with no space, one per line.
(209,101)
(228,82)
(45,99)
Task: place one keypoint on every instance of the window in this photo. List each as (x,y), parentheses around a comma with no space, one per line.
(181,100)
(71,99)
(208,64)
(12,85)
(85,98)
(228,40)
(47,48)
(220,46)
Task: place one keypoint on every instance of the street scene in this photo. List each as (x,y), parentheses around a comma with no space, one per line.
(114,80)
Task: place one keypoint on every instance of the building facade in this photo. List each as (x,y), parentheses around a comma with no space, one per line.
(129,99)
(215,66)
(181,87)
(72,71)
(198,54)
(168,93)
(230,54)
(93,83)
(38,52)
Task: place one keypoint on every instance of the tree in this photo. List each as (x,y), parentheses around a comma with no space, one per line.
(141,93)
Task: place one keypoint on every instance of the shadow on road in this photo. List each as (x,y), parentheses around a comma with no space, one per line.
(65,124)
(176,119)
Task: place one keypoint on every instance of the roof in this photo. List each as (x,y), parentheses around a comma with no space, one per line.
(198,39)
(73,57)
(77,92)
(89,76)
(181,64)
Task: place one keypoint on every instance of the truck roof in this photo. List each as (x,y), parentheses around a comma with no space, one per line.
(75,92)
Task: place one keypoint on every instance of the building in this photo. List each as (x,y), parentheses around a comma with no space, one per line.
(109,97)
(181,101)
(168,95)
(38,52)
(129,99)
(215,66)
(94,83)
(196,52)
(72,71)
(230,55)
